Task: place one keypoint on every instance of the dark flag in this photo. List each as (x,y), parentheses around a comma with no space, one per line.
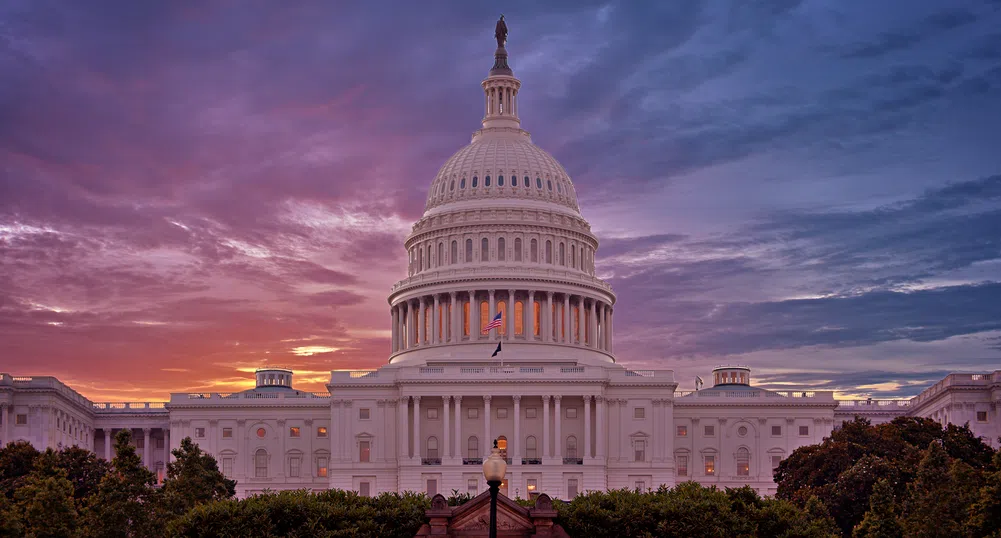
(498,350)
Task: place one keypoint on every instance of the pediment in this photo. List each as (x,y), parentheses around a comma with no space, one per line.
(478,520)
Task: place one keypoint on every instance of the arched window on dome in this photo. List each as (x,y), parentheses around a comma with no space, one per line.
(519,318)
(559,187)
(462,183)
(573,256)
(454,254)
(550,183)
(743,462)
(469,250)
(500,181)
(486,181)
(451,187)
(420,259)
(549,251)
(528,182)
(441,254)
(474,181)
(537,321)
(428,259)
(484,249)
(517,249)
(534,251)
(563,252)
(538,183)
(501,249)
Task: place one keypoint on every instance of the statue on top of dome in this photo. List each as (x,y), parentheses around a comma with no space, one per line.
(500,32)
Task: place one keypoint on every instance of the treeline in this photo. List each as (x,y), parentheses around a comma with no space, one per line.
(907,478)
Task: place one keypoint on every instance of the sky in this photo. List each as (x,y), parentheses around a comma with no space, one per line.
(193,189)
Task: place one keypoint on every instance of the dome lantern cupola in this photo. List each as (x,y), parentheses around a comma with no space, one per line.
(273,377)
(501,87)
(731,375)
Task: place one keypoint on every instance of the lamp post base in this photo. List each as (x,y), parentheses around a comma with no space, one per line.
(494,488)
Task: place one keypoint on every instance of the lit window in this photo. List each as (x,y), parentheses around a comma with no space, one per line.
(639,412)
(471,486)
(294,463)
(199,432)
(682,465)
(776,430)
(321,467)
(364,489)
(364,413)
(227,433)
(501,412)
(639,449)
(321,431)
(981,416)
(776,460)
(531,412)
(261,463)
(261,432)
(743,462)
(571,488)
(432,413)
(294,431)
(710,431)
(364,451)
(571,412)
(682,431)
(710,465)
(804,430)
(473,412)
(533,487)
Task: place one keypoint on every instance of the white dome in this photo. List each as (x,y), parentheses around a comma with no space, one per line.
(502,165)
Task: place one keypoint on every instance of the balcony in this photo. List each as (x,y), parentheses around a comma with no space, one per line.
(472,461)
(573,461)
(430,461)
(531,461)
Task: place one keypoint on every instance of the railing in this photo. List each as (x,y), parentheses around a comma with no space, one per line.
(874,403)
(757,394)
(471,369)
(573,461)
(472,461)
(431,461)
(531,461)
(982,380)
(572,370)
(532,370)
(495,272)
(432,370)
(125,407)
(283,395)
(639,373)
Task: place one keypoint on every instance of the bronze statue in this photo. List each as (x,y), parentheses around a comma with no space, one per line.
(500,32)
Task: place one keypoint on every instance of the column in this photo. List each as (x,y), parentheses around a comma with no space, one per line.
(529,322)
(404,405)
(454,329)
(594,324)
(510,308)
(486,426)
(567,323)
(435,321)
(5,414)
(447,449)
(599,426)
(623,454)
(545,427)
(587,426)
(282,434)
(107,443)
(411,325)
(421,322)
(517,430)
(581,321)
(393,317)
(491,312)
(658,431)
(474,317)
(615,427)
(458,427)
(558,441)
(166,445)
(611,329)
(604,326)
(417,429)
(146,450)
(547,318)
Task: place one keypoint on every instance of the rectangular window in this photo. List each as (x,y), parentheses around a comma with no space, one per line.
(639,412)
(776,430)
(364,489)
(364,451)
(321,431)
(804,430)
(471,486)
(710,465)
(501,412)
(432,488)
(199,432)
(364,413)
(532,486)
(21,420)
(571,488)
(294,431)
(531,412)
(776,460)
(571,412)
(294,463)
(227,433)
(981,416)
(321,467)
(639,449)
(159,442)
(640,485)
(227,466)
(473,412)
(432,413)
(710,431)
(682,431)
(140,442)
(682,462)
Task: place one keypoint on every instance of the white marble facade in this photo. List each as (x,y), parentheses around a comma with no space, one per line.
(502,233)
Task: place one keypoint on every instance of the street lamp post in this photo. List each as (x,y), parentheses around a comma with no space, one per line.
(494,469)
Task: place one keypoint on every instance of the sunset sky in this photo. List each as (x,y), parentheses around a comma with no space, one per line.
(192,189)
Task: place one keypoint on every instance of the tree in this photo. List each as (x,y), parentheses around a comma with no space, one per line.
(125,503)
(937,504)
(83,469)
(985,513)
(881,519)
(194,478)
(43,506)
(17,460)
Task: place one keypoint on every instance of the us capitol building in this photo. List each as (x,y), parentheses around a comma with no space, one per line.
(501,233)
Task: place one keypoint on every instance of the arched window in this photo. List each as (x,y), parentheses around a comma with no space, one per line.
(261,463)
(475,179)
(484,249)
(502,446)
(743,462)
(428,260)
(469,250)
(455,253)
(452,186)
(501,250)
(502,308)
(517,249)
(420,259)
(559,187)
(573,256)
(465,319)
(473,447)
(571,447)
(528,182)
(462,183)
(537,323)
(486,181)
(500,181)
(484,314)
(519,317)
(550,183)
(549,251)
(441,255)
(432,448)
(531,448)
(563,252)
(534,251)
(538,183)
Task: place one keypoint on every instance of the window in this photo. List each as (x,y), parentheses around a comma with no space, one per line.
(531,448)
(486,181)
(441,255)
(682,465)
(501,412)
(571,447)
(462,183)
(531,412)
(743,462)
(550,183)
(364,413)
(682,431)
(571,488)
(776,460)
(534,251)
(473,412)
(639,412)
(432,447)
(710,465)
(471,486)
(227,466)
(563,251)
(571,412)
(559,187)
(321,467)
(227,433)
(517,249)
(321,431)
(981,416)
(261,432)
(500,181)
(364,451)
(473,447)
(710,431)
(261,463)
(538,183)
(484,249)
(294,431)
(528,182)
(639,450)
(532,485)
(365,489)
(501,249)
(140,442)
(776,430)
(199,432)
(454,253)
(432,484)
(159,443)
(432,413)
(804,430)
(640,485)
(502,446)
(549,252)
(294,465)
(474,181)
(451,186)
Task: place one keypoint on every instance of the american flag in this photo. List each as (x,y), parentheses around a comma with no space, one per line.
(494,323)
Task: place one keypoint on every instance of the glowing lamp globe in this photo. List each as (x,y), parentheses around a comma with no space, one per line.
(494,467)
